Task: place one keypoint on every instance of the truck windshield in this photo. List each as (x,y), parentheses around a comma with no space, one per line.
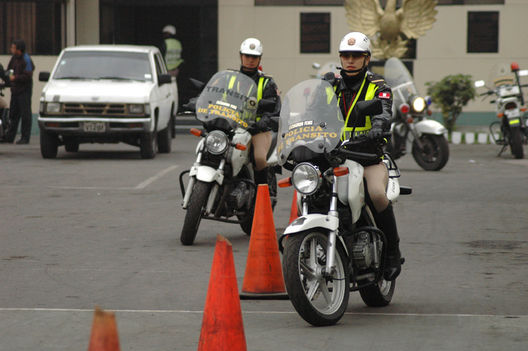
(104,65)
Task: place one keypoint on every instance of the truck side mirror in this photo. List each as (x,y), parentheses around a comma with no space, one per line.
(164,79)
(44,76)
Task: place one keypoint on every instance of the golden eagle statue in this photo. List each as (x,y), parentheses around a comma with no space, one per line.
(385,27)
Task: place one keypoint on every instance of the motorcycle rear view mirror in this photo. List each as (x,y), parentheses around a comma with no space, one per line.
(479,83)
(370,107)
(198,84)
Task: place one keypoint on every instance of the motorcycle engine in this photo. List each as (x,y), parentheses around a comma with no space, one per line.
(239,198)
(366,252)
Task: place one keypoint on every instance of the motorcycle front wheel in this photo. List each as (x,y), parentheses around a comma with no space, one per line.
(320,300)
(434,154)
(195,208)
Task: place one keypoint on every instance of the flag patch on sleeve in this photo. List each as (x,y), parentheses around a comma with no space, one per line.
(384,95)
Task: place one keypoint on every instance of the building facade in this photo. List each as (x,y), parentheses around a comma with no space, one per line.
(469,36)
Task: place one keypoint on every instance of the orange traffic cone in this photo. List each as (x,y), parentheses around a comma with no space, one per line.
(222,327)
(104,332)
(294,212)
(263,277)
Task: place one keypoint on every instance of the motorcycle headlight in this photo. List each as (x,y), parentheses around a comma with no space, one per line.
(418,104)
(216,142)
(53,107)
(306,178)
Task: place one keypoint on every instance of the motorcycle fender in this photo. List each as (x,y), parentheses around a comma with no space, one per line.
(350,189)
(429,126)
(310,221)
(207,174)
(238,158)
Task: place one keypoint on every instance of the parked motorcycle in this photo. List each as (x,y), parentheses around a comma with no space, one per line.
(410,127)
(334,247)
(509,100)
(221,181)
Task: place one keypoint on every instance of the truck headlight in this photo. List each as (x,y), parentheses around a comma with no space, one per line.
(306,178)
(216,142)
(53,107)
(136,109)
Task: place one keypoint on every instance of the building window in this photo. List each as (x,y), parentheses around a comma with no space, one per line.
(483,32)
(299,2)
(315,32)
(41,24)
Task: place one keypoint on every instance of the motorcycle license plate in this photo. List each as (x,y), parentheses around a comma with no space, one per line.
(512,113)
(94,127)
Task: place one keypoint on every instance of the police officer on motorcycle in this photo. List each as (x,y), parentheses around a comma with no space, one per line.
(357,83)
(250,58)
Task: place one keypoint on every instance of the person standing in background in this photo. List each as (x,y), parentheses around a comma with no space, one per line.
(171,49)
(21,69)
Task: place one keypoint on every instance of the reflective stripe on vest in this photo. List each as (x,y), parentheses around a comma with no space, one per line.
(260,90)
(358,130)
(173,54)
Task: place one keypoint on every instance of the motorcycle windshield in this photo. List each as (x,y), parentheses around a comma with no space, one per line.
(501,74)
(229,95)
(400,80)
(310,117)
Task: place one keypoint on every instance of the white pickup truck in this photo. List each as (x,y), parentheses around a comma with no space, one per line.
(108,94)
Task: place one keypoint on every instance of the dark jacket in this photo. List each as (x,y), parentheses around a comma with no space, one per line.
(23,77)
(270,92)
(346,90)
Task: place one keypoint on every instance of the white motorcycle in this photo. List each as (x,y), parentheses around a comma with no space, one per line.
(221,181)
(410,127)
(512,129)
(334,247)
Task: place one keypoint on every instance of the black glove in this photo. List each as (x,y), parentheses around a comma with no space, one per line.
(263,124)
(376,132)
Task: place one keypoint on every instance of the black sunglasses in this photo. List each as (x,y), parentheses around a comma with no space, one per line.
(252,56)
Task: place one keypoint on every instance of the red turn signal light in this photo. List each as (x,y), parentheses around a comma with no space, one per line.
(524,109)
(284,183)
(429,112)
(240,147)
(340,171)
(514,66)
(196,132)
(404,108)
(410,119)
(500,115)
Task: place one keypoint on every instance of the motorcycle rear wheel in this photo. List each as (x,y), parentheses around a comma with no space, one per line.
(319,300)
(378,295)
(435,152)
(195,208)
(516,144)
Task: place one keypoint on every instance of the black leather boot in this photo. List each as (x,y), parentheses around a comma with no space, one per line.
(261,177)
(387,223)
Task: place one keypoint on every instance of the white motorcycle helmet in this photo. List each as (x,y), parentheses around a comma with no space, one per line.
(169,29)
(251,46)
(355,42)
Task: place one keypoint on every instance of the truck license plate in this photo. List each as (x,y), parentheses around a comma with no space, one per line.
(94,127)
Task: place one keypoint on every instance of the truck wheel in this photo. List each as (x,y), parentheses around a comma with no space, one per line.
(49,144)
(148,145)
(165,139)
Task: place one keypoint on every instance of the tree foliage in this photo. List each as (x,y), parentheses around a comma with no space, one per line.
(451,94)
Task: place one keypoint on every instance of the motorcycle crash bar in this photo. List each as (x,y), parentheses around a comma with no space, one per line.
(337,171)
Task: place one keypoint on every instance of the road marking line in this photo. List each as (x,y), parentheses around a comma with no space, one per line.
(140,186)
(155,177)
(17,309)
